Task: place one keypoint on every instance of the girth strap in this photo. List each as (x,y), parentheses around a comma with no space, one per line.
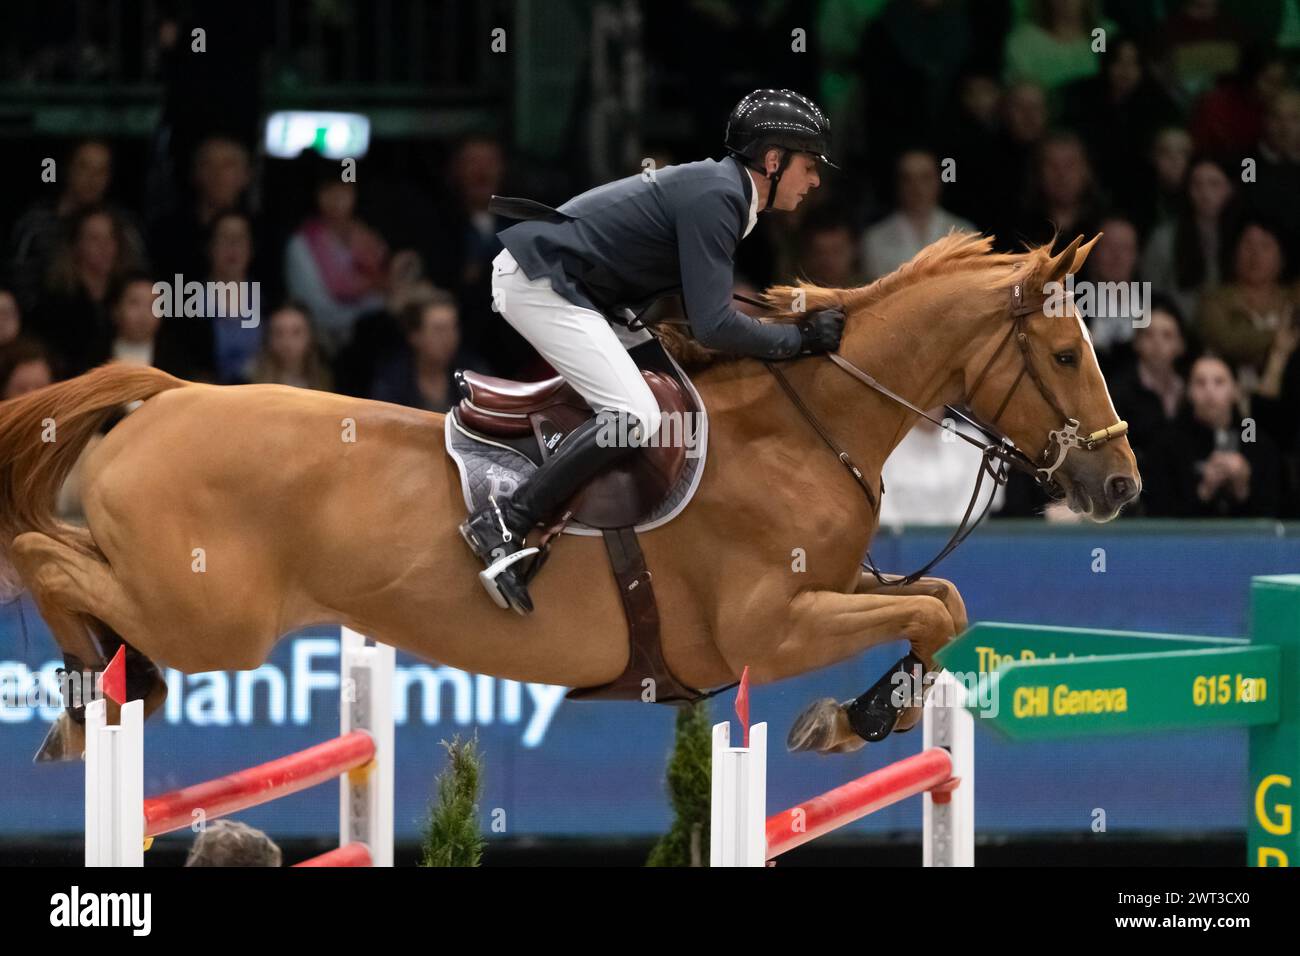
(645,650)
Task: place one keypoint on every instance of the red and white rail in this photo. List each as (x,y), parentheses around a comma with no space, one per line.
(743,835)
(119,818)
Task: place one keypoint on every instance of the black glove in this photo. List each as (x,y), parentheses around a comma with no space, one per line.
(821,331)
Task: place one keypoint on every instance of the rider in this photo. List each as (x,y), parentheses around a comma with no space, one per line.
(628,243)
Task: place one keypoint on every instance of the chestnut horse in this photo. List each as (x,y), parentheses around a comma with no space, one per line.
(221,518)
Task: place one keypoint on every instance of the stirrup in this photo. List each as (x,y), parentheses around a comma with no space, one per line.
(511,592)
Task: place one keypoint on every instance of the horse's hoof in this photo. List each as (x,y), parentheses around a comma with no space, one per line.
(66,740)
(823,728)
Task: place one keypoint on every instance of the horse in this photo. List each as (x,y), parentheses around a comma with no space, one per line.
(221,518)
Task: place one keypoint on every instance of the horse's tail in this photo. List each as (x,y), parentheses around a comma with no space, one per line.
(41,436)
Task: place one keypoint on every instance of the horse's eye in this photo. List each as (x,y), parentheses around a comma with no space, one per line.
(1067,358)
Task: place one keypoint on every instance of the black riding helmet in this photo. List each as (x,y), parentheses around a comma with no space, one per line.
(782,118)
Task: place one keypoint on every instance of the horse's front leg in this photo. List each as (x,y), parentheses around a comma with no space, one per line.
(873,713)
(940,588)
(827,627)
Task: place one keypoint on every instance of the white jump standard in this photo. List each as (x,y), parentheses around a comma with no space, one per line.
(119,819)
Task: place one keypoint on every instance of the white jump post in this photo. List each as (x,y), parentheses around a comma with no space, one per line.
(366,793)
(948,827)
(742,834)
(119,819)
(114,786)
(737,832)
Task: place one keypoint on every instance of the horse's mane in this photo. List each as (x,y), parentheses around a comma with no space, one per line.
(955,252)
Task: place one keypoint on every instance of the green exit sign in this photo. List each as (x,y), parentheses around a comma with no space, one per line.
(332,135)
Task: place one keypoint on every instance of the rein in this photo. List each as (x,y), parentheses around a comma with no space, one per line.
(999,453)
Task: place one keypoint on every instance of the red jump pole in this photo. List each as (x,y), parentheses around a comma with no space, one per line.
(354,854)
(856,799)
(257,785)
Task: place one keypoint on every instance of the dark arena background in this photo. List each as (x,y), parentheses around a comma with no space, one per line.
(329,166)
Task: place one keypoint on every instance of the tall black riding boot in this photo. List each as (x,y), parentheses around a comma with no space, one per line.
(497,533)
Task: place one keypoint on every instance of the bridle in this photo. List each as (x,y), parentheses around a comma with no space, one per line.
(1000,454)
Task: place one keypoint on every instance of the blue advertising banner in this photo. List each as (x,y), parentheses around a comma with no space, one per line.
(595,769)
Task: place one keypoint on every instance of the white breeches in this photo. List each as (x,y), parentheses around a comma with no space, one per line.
(579,343)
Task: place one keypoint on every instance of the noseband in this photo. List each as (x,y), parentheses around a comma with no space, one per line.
(1000,454)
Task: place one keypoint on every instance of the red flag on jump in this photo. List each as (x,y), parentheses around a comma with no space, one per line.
(113,683)
(742,704)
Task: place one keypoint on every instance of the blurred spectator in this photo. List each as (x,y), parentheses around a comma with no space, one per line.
(1154,194)
(973,140)
(86,174)
(1276,192)
(422,376)
(72,318)
(1229,119)
(1116,111)
(1278,365)
(1065,202)
(1115,305)
(918,219)
(1202,43)
(469,230)
(929,477)
(1148,393)
(290,354)
(25,366)
(231,843)
(1054,46)
(335,264)
(910,59)
(141,337)
(221,175)
(463,247)
(830,252)
(1240,320)
(1281,139)
(379,334)
(1024,114)
(230,339)
(1276,405)
(135,325)
(1184,258)
(1202,467)
(1024,123)
(11,316)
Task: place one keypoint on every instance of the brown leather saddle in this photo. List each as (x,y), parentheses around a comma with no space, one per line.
(548,410)
(533,418)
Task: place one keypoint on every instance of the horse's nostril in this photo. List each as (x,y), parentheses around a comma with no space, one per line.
(1120,489)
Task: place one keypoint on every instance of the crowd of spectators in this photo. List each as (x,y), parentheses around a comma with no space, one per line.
(1173,129)
(329,307)
(1177,134)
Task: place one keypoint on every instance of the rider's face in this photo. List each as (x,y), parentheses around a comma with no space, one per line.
(799,177)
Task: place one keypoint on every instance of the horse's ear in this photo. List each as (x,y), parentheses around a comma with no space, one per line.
(1081,256)
(1055,269)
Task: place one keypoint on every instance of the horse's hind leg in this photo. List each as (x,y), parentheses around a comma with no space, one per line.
(76,594)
